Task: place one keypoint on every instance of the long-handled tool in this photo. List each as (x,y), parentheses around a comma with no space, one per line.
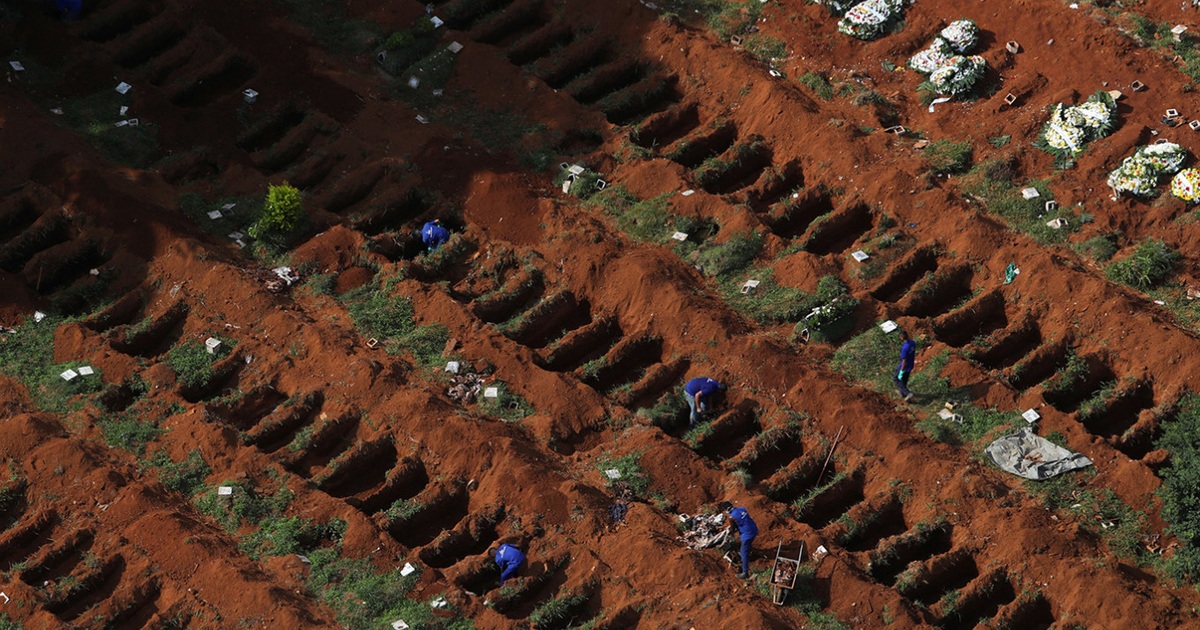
(836,438)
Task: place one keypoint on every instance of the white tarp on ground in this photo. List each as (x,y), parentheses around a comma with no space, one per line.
(1032,457)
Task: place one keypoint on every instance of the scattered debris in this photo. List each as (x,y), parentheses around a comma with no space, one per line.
(465,388)
(704,531)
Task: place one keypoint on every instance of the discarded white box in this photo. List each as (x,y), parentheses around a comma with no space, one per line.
(1030,193)
(680,236)
(775,73)
(688,193)
(408,569)
(123,87)
(250,96)
(225,491)
(612,473)
(749,286)
(1137,86)
(16,65)
(1010,98)
(85,370)
(215,214)
(1012,47)
(399,625)
(601,184)
(898,130)
(38,316)
(1031,416)
(889,326)
(439,602)
(133,122)
(860,255)
(413,82)
(491,392)
(454,47)
(1051,205)
(124,110)
(6,597)
(68,375)
(1172,113)
(1195,125)
(575,169)
(1057,224)
(452,367)
(212,344)
(436,21)
(566,187)
(423,120)
(228,206)
(1179,30)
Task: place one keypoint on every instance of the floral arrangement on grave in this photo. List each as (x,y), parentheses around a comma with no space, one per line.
(1186,185)
(870,19)
(951,71)
(1138,174)
(1070,128)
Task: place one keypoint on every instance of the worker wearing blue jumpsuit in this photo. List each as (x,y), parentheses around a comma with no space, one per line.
(434,235)
(509,559)
(747,530)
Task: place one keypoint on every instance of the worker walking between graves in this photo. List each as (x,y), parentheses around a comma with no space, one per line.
(509,559)
(434,235)
(908,354)
(747,530)
(699,393)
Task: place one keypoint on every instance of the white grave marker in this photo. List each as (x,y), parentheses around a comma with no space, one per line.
(454,47)
(408,569)
(68,375)
(860,255)
(436,21)
(749,286)
(688,193)
(16,65)
(1031,416)
(215,214)
(212,344)
(413,82)
(85,370)
(452,367)
(491,392)
(123,87)
(250,96)
(228,206)
(1030,193)
(680,236)
(399,625)
(224,491)
(612,473)
(889,326)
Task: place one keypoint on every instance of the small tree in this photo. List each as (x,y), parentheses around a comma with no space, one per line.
(281,212)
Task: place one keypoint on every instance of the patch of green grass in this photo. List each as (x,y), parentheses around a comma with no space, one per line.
(507,405)
(1100,511)
(1149,264)
(978,423)
(234,219)
(130,431)
(946,157)
(666,411)
(1098,248)
(1180,491)
(327,22)
(390,319)
(732,256)
(95,117)
(769,302)
(28,356)
(363,598)
(646,221)
(630,468)
(818,84)
(281,536)
(990,183)
(185,477)
(765,48)
(558,612)
(999,141)
(245,504)
(192,363)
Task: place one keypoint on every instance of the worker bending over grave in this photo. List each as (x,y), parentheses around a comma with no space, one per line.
(434,235)
(700,393)
(908,354)
(509,559)
(747,530)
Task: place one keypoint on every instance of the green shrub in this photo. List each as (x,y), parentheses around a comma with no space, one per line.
(129,431)
(1180,490)
(361,597)
(818,84)
(948,158)
(632,475)
(731,256)
(1100,248)
(507,405)
(1146,267)
(556,613)
(281,213)
(185,477)
(192,362)
(280,536)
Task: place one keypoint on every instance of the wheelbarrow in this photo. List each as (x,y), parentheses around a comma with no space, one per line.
(783,573)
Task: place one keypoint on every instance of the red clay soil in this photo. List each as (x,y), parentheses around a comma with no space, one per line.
(913,527)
